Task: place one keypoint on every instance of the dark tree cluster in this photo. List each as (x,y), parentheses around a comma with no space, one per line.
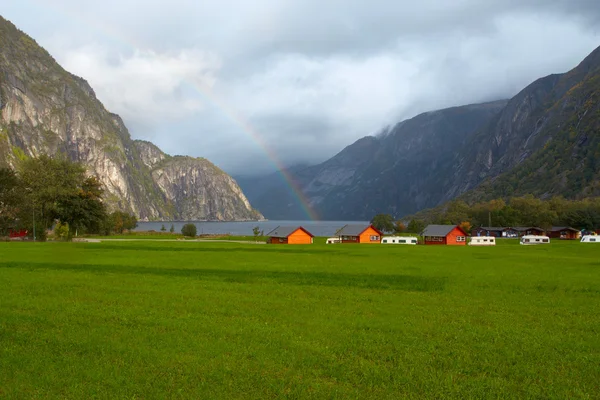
(45,192)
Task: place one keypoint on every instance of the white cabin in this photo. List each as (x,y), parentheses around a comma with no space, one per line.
(399,240)
(590,239)
(333,240)
(533,239)
(482,241)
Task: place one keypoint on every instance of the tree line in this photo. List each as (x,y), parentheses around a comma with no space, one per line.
(516,211)
(47,192)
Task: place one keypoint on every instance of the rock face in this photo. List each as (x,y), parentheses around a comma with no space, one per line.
(195,186)
(46,110)
(544,141)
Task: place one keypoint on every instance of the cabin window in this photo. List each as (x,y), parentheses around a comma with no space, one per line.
(413,241)
(461,239)
(374,238)
(384,241)
(592,239)
(401,241)
(485,240)
(526,240)
(545,240)
(492,240)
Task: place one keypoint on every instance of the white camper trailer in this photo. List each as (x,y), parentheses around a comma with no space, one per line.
(399,240)
(333,240)
(482,241)
(533,239)
(590,239)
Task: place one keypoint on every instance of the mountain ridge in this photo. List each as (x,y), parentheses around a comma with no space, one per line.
(45,109)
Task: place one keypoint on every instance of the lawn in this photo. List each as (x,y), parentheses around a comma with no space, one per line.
(202,320)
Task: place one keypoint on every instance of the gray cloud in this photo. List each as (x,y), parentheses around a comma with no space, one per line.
(303,78)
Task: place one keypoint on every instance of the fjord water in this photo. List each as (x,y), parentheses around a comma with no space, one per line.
(317,228)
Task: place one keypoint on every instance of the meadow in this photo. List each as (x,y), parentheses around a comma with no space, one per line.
(142,320)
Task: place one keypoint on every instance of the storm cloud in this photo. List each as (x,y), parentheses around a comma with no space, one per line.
(238,82)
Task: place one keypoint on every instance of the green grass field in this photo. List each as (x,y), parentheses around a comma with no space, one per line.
(141,320)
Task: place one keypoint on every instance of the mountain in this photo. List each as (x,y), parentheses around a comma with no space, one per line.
(399,172)
(544,141)
(47,110)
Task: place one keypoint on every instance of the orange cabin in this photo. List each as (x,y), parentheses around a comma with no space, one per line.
(445,234)
(287,235)
(359,234)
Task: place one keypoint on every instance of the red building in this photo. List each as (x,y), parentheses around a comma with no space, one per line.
(445,234)
(359,234)
(563,232)
(287,235)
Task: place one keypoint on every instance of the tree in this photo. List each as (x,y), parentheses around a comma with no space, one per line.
(162,228)
(399,227)
(256,232)
(172,229)
(84,209)
(11,197)
(119,221)
(59,189)
(415,226)
(189,230)
(466,226)
(383,222)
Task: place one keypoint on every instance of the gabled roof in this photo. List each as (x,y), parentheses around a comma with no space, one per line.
(440,230)
(355,230)
(524,228)
(563,228)
(285,231)
(493,228)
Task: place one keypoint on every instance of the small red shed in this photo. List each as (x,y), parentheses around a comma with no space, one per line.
(445,234)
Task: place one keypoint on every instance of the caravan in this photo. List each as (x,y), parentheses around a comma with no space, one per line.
(590,239)
(534,239)
(399,240)
(482,241)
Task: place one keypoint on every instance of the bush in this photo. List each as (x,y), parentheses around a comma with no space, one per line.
(189,230)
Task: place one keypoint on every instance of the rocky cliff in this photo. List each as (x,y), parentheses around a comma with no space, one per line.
(46,110)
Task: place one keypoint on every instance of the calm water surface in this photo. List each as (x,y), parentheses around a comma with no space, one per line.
(317,228)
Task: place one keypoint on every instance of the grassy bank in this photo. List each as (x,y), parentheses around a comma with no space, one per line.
(226,320)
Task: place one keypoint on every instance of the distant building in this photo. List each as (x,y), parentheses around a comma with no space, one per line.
(529,231)
(563,232)
(496,231)
(445,234)
(290,235)
(359,234)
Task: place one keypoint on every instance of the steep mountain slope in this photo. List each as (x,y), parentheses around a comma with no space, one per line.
(401,172)
(545,142)
(46,110)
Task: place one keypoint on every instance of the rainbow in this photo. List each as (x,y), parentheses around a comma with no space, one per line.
(229,112)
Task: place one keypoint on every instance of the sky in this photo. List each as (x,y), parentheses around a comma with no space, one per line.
(254,85)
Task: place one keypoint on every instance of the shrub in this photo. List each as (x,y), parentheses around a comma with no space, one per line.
(189,230)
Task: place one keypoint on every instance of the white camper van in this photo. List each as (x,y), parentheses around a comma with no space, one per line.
(533,239)
(399,240)
(482,241)
(590,239)
(333,240)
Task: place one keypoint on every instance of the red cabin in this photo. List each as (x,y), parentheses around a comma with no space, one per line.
(564,232)
(445,234)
